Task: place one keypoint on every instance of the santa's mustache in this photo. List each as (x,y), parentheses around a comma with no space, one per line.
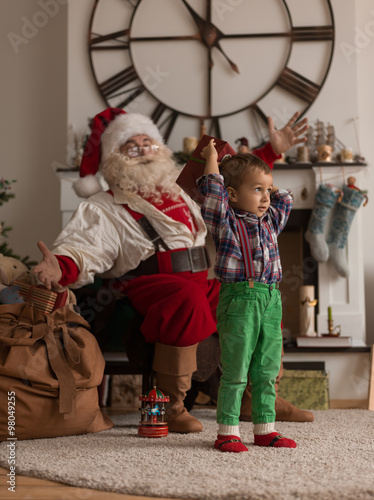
(150,175)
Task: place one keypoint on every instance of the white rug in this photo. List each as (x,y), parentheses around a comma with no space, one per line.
(334,460)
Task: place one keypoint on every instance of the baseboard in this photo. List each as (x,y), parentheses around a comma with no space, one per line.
(348,404)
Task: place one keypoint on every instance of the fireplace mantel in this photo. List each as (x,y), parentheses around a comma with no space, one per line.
(344,295)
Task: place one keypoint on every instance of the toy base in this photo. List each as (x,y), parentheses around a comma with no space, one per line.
(153,431)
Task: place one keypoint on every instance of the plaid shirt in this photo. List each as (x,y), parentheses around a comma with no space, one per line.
(220,220)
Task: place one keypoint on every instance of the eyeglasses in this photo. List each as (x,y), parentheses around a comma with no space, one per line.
(141,150)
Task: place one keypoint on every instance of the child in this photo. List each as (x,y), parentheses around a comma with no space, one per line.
(249,312)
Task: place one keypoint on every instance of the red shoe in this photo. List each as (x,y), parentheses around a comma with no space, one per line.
(232,444)
(275,440)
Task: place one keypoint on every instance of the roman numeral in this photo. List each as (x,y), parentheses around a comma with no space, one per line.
(298,85)
(312,34)
(100,42)
(115,86)
(167,121)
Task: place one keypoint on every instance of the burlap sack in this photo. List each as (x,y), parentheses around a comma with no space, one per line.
(51,366)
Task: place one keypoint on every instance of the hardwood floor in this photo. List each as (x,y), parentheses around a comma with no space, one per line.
(39,489)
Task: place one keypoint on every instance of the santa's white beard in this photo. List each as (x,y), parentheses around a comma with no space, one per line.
(150,176)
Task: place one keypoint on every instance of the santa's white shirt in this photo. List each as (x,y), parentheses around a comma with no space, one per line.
(104,239)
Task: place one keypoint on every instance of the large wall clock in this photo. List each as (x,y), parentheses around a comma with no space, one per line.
(227,64)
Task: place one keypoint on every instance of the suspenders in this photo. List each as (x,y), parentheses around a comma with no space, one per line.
(147,227)
(149,230)
(246,251)
(192,259)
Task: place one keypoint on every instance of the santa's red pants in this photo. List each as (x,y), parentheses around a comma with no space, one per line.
(179,309)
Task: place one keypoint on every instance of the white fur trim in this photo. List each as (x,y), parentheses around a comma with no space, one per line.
(87,186)
(122,128)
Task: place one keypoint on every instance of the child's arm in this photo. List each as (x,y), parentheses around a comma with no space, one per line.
(215,206)
(280,207)
(210,154)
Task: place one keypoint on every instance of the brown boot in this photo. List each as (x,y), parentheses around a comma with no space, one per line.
(174,367)
(287,412)
(284,411)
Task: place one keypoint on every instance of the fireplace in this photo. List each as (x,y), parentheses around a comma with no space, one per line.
(344,295)
(299,269)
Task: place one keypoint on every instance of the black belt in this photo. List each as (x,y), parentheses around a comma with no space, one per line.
(193,259)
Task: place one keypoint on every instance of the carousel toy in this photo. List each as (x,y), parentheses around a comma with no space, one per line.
(152,423)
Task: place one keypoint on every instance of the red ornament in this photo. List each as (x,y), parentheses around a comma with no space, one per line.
(152,423)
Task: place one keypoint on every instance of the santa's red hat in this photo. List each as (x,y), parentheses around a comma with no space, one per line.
(110,129)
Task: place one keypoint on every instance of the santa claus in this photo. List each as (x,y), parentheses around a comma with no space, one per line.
(148,234)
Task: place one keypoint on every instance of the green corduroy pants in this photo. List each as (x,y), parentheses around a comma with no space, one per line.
(249,327)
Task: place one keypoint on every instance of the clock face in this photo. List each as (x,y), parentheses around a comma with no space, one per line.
(224,64)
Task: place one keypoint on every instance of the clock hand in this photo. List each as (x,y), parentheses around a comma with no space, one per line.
(209,35)
(209,10)
(200,22)
(234,67)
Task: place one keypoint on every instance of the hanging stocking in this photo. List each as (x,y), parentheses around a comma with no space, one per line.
(340,225)
(325,199)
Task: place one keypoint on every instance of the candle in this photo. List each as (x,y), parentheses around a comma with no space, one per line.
(189,144)
(329,313)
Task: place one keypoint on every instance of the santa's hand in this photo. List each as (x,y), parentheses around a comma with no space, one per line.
(283,139)
(48,269)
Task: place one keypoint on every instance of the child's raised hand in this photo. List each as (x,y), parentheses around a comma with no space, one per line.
(209,151)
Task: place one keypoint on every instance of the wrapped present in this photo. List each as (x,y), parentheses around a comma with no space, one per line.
(195,165)
(41,297)
(307,389)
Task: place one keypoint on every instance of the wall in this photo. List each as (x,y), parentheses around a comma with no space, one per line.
(361,38)
(48,86)
(33,54)
(345,95)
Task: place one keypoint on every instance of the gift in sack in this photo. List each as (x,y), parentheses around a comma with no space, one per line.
(41,297)
(195,166)
(52,365)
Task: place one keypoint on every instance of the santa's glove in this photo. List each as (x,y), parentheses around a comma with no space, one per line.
(325,199)
(340,225)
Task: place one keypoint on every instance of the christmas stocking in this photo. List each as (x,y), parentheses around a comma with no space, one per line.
(325,199)
(340,225)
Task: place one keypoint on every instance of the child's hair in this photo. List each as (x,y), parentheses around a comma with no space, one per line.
(235,167)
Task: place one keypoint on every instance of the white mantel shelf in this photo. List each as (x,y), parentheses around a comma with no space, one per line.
(306,166)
